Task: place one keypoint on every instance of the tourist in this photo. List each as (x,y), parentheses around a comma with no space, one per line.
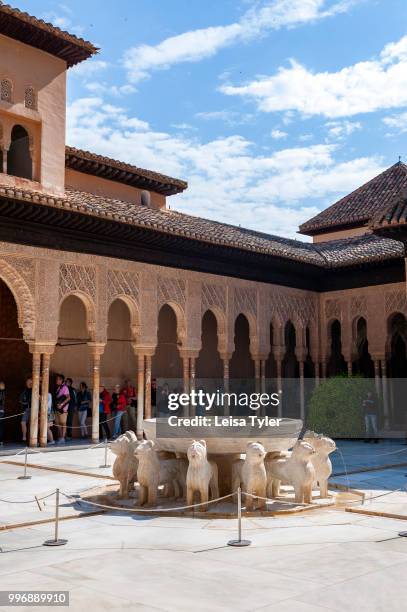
(154,395)
(162,401)
(369,406)
(72,406)
(84,406)
(25,402)
(50,420)
(62,403)
(118,407)
(130,394)
(105,399)
(2,410)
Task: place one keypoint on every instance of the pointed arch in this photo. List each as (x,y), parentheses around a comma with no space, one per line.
(23,298)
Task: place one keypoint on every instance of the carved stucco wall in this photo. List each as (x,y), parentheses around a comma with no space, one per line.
(41,279)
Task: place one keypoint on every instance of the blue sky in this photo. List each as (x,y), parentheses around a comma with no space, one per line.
(271,110)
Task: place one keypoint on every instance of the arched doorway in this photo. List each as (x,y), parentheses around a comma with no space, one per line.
(397,367)
(166,362)
(209,365)
(19,161)
(71,355)
(15,361)
(118,362)
(290,371)
(363,364)
(336,362)
(241,369)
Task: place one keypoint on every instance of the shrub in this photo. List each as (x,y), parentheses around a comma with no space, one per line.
(335,406)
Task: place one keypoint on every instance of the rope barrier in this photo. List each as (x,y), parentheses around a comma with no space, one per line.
(29,501)
(12,416)
(144,510)
(280,501)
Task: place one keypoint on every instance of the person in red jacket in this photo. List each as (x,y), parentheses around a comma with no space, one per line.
(105,399)
(119,407)
(130,394)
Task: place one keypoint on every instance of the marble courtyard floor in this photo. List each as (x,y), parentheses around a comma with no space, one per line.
(327,559)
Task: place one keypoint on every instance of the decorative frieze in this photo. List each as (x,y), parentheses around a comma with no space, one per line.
(213,296)
(171,290)
(245,301)
(332,309)
(73,278)
(120,282)
(395,301)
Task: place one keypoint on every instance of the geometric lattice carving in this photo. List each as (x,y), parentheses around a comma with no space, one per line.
(30,100)
(292,307)
(395,301)
(171,290)
(332,309)
(77,278)
(245,301)
(6,90)
(120,282)
(358,305)
(213,295)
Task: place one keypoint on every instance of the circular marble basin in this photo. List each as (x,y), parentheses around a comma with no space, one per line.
(229,440)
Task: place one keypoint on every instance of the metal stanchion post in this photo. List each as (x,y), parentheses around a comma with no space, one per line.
(403,534)
(25,476)
(106,465)
(239,541)
(56,541)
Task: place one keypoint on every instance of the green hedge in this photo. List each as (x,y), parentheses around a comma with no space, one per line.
(335,406)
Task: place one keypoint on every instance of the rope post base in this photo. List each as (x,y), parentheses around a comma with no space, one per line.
(403,534)
(56,541)
(106,464)
(239,541)
(25,476)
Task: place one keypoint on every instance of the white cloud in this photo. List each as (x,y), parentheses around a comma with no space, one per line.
(398,123)
(360,88)
(89,68)
(338,130)
(198,44)
(278,134)
(103,88)
(232,118)
(228,180)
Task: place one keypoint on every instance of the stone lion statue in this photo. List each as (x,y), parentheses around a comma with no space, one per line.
(202,474)
(322,464)
(154,471)
(296,469)
(250,473)
(125,464)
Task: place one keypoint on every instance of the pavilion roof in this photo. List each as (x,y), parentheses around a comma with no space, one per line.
(333,254)
(106,167)
(45,36)
(359,207)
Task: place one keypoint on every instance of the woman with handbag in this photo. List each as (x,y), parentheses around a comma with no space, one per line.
(62,398)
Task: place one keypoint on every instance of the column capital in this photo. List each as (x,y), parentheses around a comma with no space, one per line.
(42,347)
(226,356)
(378,356)
(96,348)
(259,356)
(143,349)
(187,353)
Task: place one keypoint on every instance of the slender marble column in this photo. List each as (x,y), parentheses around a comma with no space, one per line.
(226,382)
(140,395)
(33,440)
(147,400)
(44,399)
(302,391)
(386,418)
(96,353)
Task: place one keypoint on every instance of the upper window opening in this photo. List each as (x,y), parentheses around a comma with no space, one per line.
(19,161)
(6,90)
(30,100)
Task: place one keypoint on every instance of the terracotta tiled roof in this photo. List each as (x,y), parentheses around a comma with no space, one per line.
(338,253)
(115,170)
(360,206)
(42,35)
(394,216)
